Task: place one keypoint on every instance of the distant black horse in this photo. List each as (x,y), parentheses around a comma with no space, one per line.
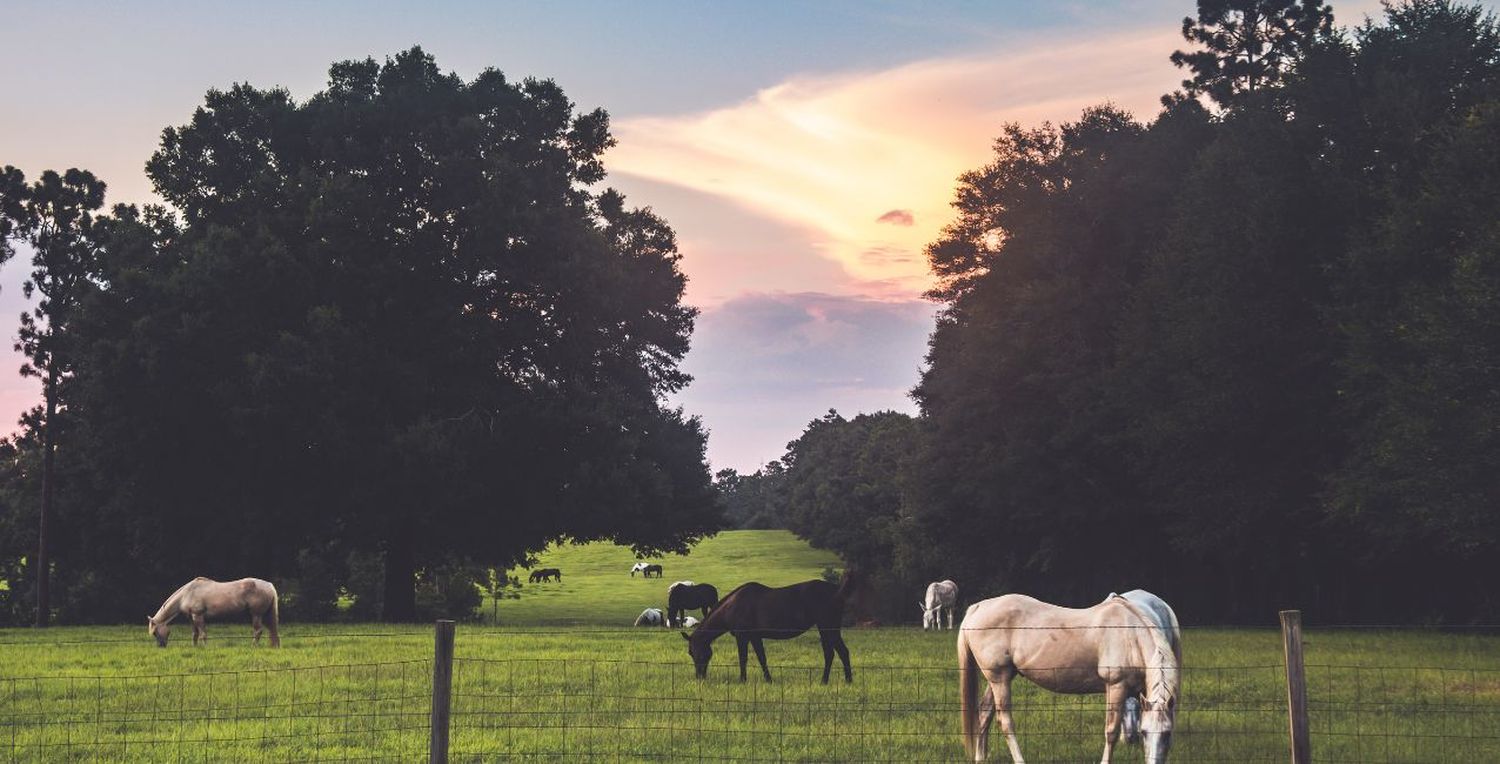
(650,569)
(686,595)
(755,612)
(545,574)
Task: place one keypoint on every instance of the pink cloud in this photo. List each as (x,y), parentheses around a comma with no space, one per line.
(897,217)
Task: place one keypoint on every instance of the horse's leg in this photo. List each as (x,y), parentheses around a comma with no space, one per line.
(200,629)
(760,653)
(1001,690)
(742,643)
(827,642)
(255,627)
(838,644)
(1114,708)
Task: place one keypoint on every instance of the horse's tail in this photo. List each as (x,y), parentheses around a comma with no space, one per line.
(968,690)
(275,616)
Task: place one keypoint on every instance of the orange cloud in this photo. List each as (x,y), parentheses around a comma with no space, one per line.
(837,156)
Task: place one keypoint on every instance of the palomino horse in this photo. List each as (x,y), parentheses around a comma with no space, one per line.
(686,595)
(755,612)
(1118,647)
(941,595)
(203,598)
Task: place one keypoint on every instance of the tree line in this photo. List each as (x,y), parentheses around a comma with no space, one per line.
(1244,355)
(384,341)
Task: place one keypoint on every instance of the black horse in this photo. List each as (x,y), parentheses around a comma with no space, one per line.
(545,574)
(686,595)
(650,569)
(755,612)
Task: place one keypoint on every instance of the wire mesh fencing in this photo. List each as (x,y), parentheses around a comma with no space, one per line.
(1377,714)
(614,710)
(347,712)
(614,694)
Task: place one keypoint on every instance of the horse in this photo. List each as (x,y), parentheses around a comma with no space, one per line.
(203,598)
(545,574)
(646,569)
(689,622)
(940,596)
(755,612)
(1124,649)
(651,616)
(686,595)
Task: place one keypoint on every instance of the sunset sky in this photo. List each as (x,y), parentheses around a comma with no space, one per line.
(804,152)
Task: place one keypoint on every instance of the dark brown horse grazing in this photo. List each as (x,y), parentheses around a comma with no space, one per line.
(686,595)
(755,612)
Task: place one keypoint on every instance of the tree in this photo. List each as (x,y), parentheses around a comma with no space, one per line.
(1248,45)
(54,216)
(396,315)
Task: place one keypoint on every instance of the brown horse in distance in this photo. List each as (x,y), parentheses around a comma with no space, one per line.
(755,612)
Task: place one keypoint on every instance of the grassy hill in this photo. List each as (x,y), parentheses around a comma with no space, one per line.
(597,587)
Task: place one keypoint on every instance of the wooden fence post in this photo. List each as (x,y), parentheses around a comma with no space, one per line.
(1296,686)
(442,691)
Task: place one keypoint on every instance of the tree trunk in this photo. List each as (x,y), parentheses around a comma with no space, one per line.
(400,604)
(43,564)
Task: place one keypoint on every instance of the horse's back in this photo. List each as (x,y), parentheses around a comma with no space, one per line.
(783,611)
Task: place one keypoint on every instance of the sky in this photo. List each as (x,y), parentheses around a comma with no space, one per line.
(805,153)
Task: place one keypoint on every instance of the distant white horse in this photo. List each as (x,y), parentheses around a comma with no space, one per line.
(689,622)
(651,616)
(203,598)
(941,595)
(1126,650)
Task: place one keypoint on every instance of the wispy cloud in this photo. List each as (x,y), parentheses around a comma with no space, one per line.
(843,157)
(767,364)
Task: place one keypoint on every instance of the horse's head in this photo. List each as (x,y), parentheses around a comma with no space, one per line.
(701,651)
(1156,728)
(158,630)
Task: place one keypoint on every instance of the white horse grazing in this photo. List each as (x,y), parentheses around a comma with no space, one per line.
(941,595)
(651,616)
(203,598)
(1160,613)
(1118,647)
(689,622)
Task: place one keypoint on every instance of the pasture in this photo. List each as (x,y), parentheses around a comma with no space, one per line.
(552,693)
(564,677)
(597,587)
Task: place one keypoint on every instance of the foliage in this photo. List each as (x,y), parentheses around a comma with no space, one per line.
(756,500)
(401,318)
(1249,45)
(1243,359)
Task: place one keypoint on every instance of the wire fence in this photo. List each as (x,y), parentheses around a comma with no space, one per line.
(594,705)
(348,712)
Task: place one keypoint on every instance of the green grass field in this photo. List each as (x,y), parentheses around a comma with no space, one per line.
(597,588)
(607,692)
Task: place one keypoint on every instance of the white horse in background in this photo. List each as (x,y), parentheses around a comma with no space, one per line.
(203,598)
(651,616)
(689,622)
(941,595)
(639,567)
(1127,647)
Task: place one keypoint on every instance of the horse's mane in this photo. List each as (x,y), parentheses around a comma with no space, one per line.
(1162,671)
